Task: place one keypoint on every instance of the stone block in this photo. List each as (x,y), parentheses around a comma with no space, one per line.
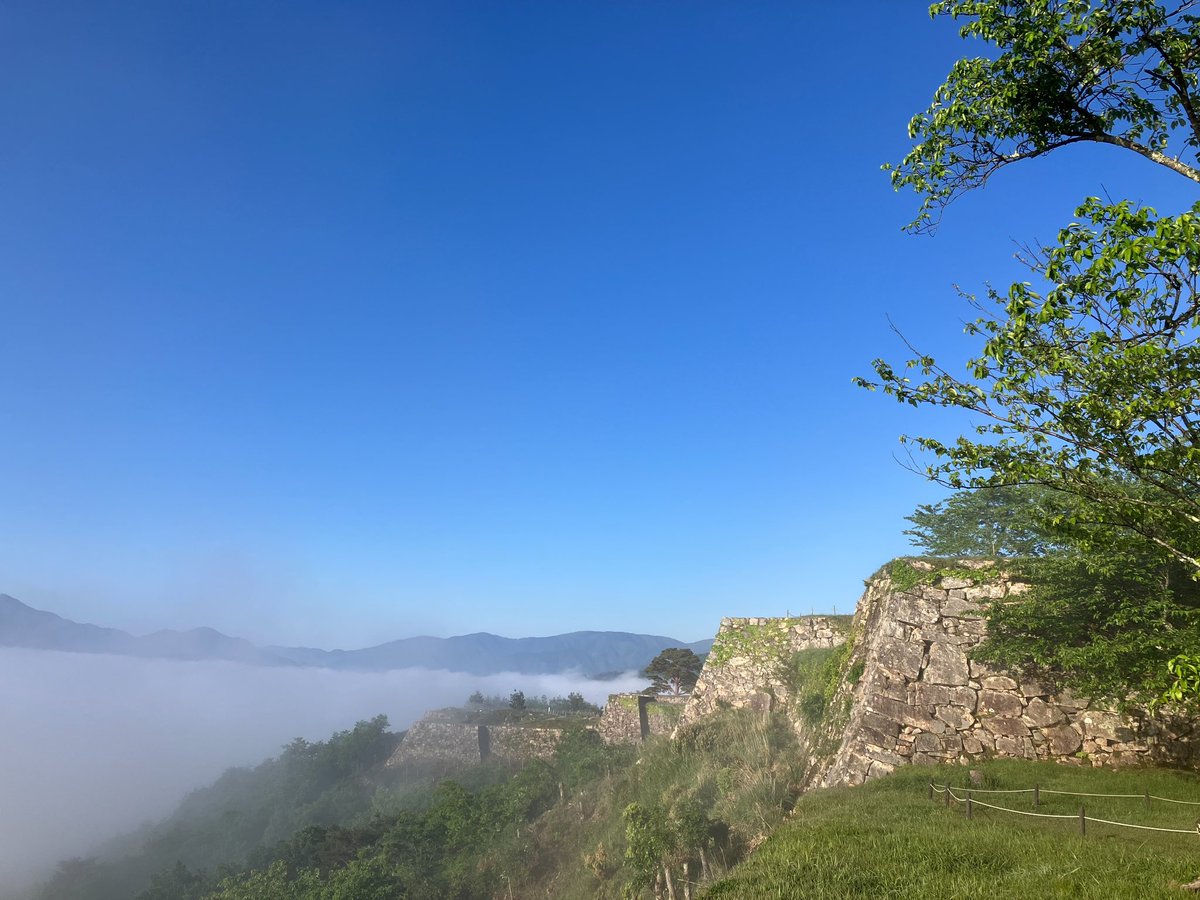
(999,683)
(982,592)
(947,665)
(953,582)
(976,629)
(961,608)
(952,745)
(895,710)
(878,754)
(926,695)
(980,669)
(892,687)
(927,743)
(999,703)
(901,658)
(1062,740)
(1014,746)
(1106,726)
(1005,727)
(956,717)
(915,610)
(1039,713)
(951,635)
(1034,688)
(906,715)
(879,729)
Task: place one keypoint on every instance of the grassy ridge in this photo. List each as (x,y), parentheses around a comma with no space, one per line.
(887,839)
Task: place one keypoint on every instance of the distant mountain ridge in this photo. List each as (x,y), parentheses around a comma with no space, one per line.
(588,652)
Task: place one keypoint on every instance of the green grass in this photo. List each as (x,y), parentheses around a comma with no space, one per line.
(886,839)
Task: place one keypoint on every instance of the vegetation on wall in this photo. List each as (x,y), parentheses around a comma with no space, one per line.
(1106,623)
(767,644)
(906,574)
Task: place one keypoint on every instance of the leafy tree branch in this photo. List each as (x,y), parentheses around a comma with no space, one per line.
(1119,72)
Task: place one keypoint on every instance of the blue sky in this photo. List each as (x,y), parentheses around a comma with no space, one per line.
(335,323)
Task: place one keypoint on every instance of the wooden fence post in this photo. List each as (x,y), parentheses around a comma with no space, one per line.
(1037,798)
(1082,822)
(968,805)
(931,790)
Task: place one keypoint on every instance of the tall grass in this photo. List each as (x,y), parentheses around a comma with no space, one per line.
(743,768)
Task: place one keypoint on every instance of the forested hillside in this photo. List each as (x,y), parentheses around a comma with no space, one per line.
(327,820)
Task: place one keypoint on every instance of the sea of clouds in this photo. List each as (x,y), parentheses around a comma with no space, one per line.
(92,745)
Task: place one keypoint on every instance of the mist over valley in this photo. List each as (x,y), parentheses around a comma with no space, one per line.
(97,744)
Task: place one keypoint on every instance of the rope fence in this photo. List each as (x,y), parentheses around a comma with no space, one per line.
(969,802)
(1035,789)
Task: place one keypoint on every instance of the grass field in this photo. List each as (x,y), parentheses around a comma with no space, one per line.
(886,839)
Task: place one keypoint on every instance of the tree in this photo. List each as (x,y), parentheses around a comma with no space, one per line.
(1087,380)
(1108,620)
(675,669)
(1185,688)
(273,883)
(176,883)
(516,700)
(1089,388)
(999,521)
(1118,72)
(648,842)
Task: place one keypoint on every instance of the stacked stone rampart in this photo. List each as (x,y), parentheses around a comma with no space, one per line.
(520,743)
(430,743)
(745,667)
(922,699)
(446,744)
(631,718)
(911,693)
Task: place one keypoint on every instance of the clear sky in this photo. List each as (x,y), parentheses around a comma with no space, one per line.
(335,323)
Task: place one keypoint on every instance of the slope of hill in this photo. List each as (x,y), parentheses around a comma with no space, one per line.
(590,653)
(24,626)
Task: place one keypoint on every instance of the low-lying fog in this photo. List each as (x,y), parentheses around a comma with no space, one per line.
(95,745)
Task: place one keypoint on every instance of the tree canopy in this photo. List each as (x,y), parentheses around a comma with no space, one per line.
(1089,386)
(675,670)
(1118,72)
(1086,381)
(999,521)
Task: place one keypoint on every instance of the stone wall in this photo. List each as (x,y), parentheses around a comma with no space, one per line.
(631,718)
(447,746)
(921,699)
(748,659)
